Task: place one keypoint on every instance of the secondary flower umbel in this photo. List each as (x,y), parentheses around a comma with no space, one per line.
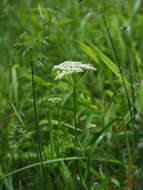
(54,100)
(70,67)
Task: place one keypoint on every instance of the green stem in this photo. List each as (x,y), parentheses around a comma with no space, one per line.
(123,81)
(51,136)
(75,113)
(37,136)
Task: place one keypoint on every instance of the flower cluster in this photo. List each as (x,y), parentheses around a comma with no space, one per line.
(70,67)
(54,100)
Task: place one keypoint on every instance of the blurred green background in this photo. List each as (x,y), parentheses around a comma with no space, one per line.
(106,34)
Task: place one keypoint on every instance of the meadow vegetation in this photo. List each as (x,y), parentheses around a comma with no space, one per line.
(79,125)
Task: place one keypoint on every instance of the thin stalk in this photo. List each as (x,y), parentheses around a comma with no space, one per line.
(120,70)
(128,145)
(75,128)
(58,115)
(78,169)
(51,136)
(123,80)
(128,66)
(20,57)
(82,78)
(75,113)
(133,97)
(37,136)
(88,171)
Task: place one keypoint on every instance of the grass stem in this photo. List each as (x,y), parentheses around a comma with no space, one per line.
(37,136)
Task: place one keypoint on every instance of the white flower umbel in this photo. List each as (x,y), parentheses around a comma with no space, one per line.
(54,100)
(69,67)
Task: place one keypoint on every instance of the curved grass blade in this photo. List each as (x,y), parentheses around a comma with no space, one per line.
(38,164)
(66,159)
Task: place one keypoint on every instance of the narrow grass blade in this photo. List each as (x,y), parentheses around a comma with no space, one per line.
(96,54)
(38,164)
(15,82)
(38,79)
(18,115)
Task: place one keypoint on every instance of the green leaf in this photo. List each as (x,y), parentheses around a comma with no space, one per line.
(38,79)
(89,51)
(96,54)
